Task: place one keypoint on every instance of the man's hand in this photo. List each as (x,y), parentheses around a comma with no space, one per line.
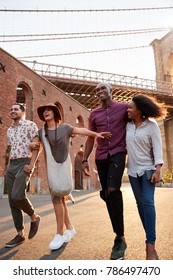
(85,169)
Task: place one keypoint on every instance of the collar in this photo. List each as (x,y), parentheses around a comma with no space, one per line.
(109,104)
(143,124)
(19,123)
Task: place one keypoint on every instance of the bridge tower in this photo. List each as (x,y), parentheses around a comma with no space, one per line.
(163,52)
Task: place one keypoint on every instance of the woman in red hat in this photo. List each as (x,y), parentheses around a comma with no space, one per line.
(55,138)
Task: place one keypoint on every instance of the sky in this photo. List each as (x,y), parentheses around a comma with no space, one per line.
(119,56)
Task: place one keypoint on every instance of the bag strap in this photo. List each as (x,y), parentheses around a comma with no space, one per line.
(46,143)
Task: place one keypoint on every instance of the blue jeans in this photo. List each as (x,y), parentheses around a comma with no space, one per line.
(143,191)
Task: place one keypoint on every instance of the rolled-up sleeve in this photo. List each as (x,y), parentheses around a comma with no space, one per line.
(157,144)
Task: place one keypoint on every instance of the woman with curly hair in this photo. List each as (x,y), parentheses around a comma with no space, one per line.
(144,149)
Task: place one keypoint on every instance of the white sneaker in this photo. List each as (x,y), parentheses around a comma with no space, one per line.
(70,197)
(68,234)
(57,242)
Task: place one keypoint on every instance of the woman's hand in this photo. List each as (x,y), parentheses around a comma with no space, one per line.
(155,177)
(28,168)
(104,135)
(157,174)
(34,146)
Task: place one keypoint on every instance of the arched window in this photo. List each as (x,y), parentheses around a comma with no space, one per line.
(79,121)
(20,96)
(24,95)
(60,110)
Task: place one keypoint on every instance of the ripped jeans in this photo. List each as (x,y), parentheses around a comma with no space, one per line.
(110,171)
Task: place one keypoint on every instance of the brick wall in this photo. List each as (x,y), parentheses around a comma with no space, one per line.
(38,91)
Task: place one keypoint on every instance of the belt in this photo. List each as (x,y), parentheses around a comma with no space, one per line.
(18,159)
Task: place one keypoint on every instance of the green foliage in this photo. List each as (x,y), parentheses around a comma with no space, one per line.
(168,176)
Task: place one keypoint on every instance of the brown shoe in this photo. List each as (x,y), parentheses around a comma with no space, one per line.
(15,241)
(34,228)
(151,253)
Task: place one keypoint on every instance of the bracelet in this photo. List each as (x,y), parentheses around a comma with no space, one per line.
(85,160)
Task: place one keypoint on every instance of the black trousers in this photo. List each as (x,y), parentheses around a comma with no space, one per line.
(110,171)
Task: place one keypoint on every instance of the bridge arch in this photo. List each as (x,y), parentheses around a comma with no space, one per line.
(24,95)
(79,121)
(60,109)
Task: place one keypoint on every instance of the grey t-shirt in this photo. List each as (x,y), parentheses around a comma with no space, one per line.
(60,145)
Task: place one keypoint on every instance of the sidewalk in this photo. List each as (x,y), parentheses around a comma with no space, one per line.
(94,238)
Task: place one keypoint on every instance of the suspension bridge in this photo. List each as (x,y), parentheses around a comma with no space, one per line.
(80,84)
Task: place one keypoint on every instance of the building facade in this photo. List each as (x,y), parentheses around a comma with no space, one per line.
(19,83)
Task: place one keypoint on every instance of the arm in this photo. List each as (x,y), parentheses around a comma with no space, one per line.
(157,153)
(85,131)
(35,153)
(88,149)
(90,133)
(89,144)
(35,145)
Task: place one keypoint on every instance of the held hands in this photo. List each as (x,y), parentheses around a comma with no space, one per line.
(28,168)
(104,135)
(34,146)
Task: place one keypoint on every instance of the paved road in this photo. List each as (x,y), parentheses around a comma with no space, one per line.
(94,238)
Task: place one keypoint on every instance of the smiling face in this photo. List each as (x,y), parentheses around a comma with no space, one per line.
(133,112)
(48,114)
(104,92)
(16,113)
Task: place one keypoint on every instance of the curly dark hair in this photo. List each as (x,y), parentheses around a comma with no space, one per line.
(150,107)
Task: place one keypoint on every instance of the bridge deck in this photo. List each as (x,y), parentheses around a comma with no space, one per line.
(80,84)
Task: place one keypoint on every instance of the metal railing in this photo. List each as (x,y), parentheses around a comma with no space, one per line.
(57,71)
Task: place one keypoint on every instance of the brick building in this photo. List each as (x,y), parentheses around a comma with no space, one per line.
(19,83)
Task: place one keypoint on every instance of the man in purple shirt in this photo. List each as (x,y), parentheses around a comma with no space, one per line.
(110,159)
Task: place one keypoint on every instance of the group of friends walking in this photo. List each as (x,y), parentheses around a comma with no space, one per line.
(124,133)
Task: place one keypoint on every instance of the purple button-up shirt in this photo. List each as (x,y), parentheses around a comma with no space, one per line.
(112,118)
